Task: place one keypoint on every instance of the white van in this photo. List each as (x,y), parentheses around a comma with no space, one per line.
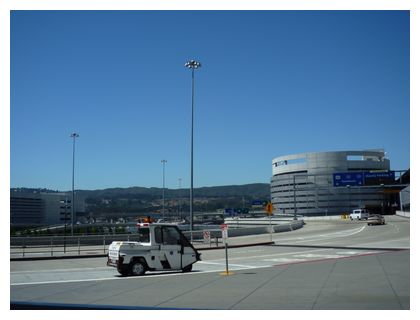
(359,214)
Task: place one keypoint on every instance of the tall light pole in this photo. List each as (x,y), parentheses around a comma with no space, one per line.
(179,199)
(74,136)
(163,191)
(192,64)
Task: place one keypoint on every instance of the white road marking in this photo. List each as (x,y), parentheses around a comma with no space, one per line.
(297,257)
(61,270)
(147,276)
(230,264)
(273,255)
(320,256)
(60,281)
(339,234)
(248,251)
(348,252)
(286,260)
(219,264)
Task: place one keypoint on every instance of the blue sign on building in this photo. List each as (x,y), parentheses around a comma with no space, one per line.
(380,175)
(348,179)
(377,178)
(229,211)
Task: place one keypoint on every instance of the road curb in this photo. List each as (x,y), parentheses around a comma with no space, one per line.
(237,246)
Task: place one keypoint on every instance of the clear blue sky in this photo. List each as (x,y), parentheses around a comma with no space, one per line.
(272,83)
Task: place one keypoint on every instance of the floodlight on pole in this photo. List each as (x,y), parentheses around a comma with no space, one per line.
(192,64)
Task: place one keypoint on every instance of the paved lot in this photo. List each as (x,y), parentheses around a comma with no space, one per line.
(322,266)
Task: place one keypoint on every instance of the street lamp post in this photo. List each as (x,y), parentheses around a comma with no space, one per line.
(294,198)
(74,136)
(383,198)
(349,191)
(192,64)
(163,191)
(179,199)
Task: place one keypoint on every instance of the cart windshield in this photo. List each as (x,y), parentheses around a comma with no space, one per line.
(144,235)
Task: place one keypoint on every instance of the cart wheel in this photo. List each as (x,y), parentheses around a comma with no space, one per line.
(137,268)
(187,268)
(124,271)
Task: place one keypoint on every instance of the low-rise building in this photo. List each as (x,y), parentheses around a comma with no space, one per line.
(42,208)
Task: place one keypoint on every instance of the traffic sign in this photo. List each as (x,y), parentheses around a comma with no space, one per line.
(224,228)
(378,178)
(269,208)
(229,211)
(348,179)
(206,236)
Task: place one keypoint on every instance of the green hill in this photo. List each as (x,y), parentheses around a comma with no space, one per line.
(139,200)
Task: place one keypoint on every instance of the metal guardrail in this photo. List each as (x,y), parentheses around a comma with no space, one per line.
(54,246)
(62,245)
(59,245)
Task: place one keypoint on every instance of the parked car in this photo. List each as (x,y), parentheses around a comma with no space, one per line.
(359,214)
(375,219)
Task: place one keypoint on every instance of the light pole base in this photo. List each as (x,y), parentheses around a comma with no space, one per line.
(227,273)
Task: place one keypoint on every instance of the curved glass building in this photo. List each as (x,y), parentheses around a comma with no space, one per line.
(333,183)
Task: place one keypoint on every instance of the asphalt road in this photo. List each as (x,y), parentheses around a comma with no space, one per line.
(325,265)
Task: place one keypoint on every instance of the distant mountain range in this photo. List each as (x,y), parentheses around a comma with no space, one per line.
(149,200)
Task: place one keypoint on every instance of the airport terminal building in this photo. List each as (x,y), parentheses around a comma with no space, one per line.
(335,183)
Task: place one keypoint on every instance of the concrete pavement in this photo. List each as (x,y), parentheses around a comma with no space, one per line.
(373,281)
(343,265)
